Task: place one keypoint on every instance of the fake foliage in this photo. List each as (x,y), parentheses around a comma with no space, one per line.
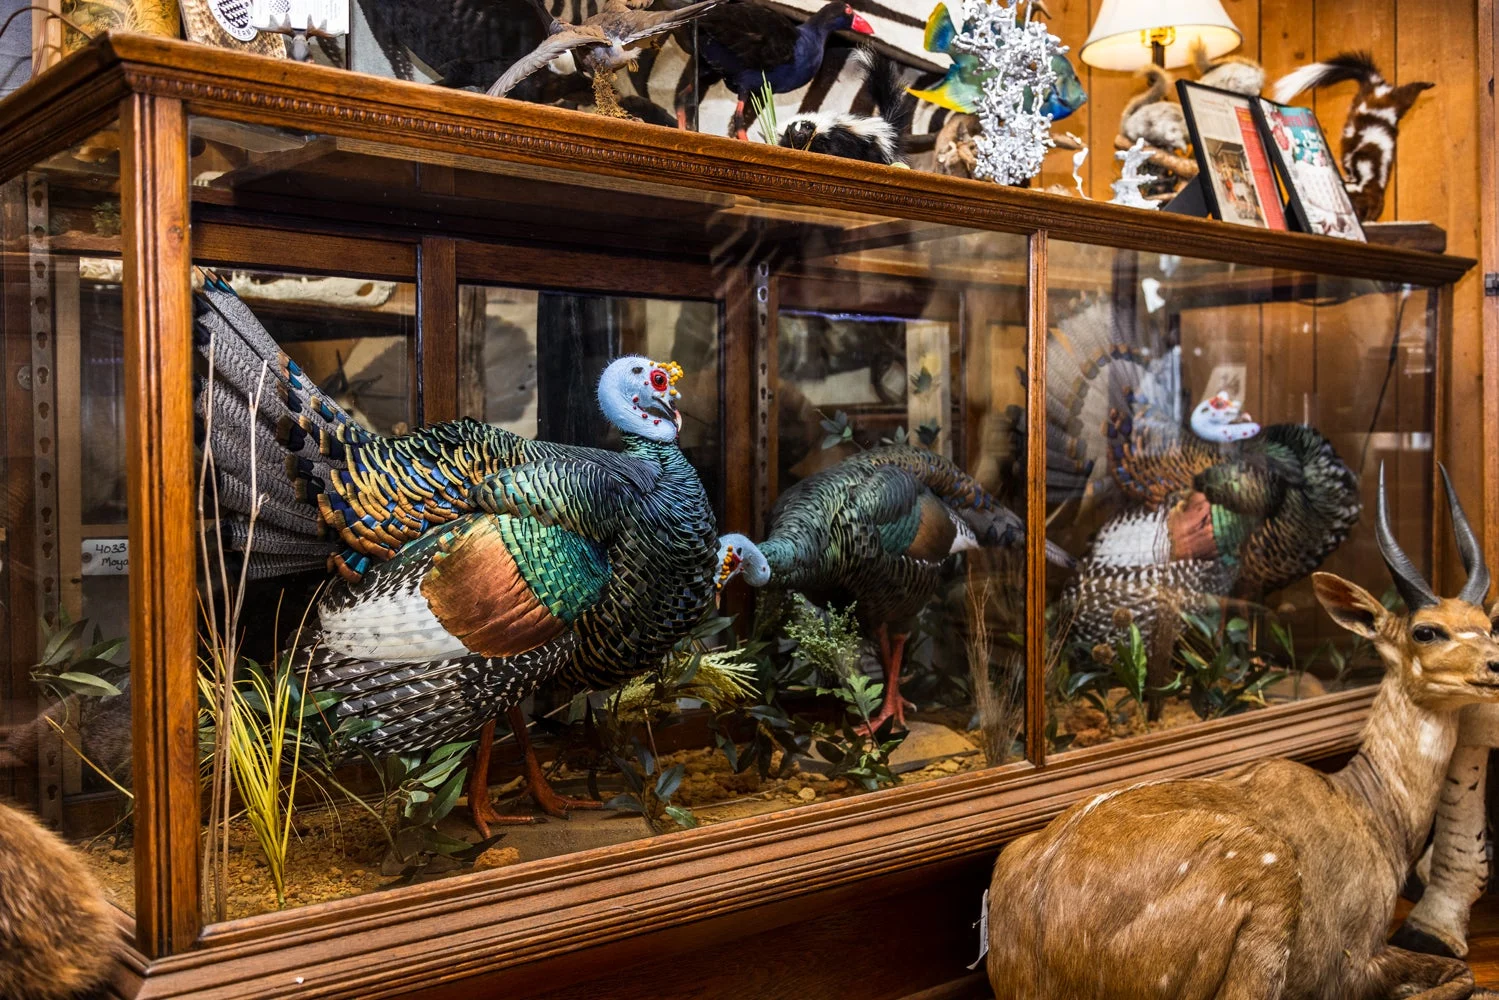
(1016,54)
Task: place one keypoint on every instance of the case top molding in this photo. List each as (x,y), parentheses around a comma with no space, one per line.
(80,95)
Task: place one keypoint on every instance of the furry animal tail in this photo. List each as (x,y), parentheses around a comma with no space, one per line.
(1344,66)
(58,936)
(1372,127)
(1159,81)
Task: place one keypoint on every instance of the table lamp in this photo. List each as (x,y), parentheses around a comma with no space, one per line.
(1131,34)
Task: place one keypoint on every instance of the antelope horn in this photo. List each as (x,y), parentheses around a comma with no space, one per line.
(1413,589)
(1477,587)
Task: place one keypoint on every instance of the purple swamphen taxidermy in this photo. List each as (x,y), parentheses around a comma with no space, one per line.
(748,46)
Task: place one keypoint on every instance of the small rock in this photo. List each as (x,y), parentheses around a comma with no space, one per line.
(496,857)
(840,785)
(335,871)
(950,766)
(794,786)
(118,856)
(816,776)
(807,794)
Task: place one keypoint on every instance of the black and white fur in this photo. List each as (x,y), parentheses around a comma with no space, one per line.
(872,138)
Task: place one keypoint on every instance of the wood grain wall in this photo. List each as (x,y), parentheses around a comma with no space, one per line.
(1436,178)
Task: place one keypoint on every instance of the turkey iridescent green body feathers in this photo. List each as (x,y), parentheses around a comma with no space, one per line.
(473,564)
(877,528)
(1219,508)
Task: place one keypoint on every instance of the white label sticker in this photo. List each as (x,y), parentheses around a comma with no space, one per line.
(106,556)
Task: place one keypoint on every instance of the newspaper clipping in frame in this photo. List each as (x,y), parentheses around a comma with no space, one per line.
(1317,190)
(1234,159)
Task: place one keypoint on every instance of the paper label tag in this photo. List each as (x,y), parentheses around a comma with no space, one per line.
(106,557)
(982,923)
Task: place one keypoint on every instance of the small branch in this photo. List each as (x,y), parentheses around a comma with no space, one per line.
(1181,166)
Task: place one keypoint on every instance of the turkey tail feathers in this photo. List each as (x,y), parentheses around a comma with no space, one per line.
(298,436)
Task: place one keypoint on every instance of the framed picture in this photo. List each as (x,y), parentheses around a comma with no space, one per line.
(1317,199)
(1237,180)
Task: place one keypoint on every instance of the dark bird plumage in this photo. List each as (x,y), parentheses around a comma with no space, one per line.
(877,529)
(1217,508)
(747,46)
(473,563)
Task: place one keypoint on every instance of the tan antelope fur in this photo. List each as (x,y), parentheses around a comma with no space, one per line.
(1270,881)
(58,936)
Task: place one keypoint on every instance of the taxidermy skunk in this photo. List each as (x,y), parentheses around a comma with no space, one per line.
(1239,74)
(1370,131)
(1151,117)
(873,138)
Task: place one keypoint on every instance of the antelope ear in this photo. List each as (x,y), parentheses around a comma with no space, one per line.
(1350,605)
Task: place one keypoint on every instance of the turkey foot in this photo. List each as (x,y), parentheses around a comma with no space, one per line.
(894,705)
(482,810)
(606,98)
(552,802)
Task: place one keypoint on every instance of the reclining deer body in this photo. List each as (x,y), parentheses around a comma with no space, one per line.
(1271,880)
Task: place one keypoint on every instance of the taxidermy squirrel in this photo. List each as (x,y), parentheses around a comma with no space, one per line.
(1239,74)
(1151,117)
(873,138)
(1369,134)
(57,932)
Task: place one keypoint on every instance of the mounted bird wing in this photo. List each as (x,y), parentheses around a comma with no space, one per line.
(647,25)
(582,495)
(565,40)
(755,36)
(487,585)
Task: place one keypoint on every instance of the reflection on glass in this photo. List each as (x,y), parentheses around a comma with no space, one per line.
(1214,436)
(65,734)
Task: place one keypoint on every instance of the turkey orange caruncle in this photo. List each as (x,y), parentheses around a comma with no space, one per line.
(473,564)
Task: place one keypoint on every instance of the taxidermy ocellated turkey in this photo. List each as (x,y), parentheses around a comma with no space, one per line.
(877,529)
(1219,508)
(472,564)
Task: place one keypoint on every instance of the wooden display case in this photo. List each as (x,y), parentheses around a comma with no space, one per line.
(253,166)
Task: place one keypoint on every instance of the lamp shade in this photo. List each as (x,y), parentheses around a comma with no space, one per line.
(1120,38)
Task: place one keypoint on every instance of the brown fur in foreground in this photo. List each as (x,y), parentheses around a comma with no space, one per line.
(57,932)
(1271,881)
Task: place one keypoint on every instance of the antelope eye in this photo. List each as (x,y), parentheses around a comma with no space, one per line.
(1427,633)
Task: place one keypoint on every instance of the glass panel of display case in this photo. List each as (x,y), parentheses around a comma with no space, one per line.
(65,734)
(508,380)
(1215,434)
(548,605)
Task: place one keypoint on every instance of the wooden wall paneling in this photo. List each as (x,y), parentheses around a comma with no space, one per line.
(436,372)
(1070,21)
(1343,26)
(1035,503)
(159,456)
(18,520)
(1487,32)
(1438,180)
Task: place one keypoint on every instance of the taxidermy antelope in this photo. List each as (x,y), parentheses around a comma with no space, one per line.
(1270,881)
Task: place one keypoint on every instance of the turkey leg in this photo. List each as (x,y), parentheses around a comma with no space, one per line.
(552,802)
(479,806)
(891,650)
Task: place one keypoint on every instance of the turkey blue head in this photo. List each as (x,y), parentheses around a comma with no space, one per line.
(1221,418)
(636,395)
(737,554)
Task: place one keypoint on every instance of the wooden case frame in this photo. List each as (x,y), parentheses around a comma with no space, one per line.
(516,925)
